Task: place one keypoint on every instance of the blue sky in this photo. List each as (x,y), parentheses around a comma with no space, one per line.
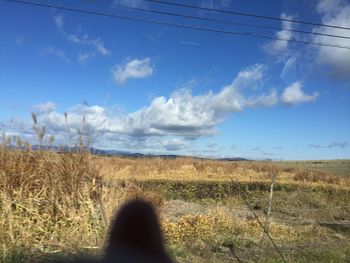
(157,89)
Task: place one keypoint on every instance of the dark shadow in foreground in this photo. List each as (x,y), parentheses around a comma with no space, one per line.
(135,236)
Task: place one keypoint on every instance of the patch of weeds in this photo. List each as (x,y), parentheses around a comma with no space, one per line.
(14,255)
(323,255)
(178,251)
(230,242)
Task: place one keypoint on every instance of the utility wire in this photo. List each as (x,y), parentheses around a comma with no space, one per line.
(152,21)
(217,20)
(247,14)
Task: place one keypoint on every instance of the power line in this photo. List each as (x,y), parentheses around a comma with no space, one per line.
(207,29)
(247,14)
(218,20)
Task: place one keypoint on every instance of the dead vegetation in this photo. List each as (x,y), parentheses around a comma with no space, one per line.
(61,203)
(306,175)
(193,169)
(47,200)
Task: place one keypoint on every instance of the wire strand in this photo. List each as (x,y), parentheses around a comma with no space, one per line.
(207,29)
(247,14)
(217,20)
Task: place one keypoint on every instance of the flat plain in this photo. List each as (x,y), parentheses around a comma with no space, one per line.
(58,206)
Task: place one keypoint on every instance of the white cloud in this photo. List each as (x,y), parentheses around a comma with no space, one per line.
(98,43)
(265,100)
(174,144)
(134,69)
(329,7)
(84,57)
(250,77)
(46,107)
(167,123)
(16,126)
(293,94)
(289,73)
(278,46)
(56,52)
(334,12)
(213,145)
(182,114)
(83,39)
(59,22)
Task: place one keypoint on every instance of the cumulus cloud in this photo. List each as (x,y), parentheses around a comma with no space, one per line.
(46,107)
(188,115)
(278,46)
(168,123)
(17,126)
(83,39)
(174,144)
(134,69)
(334,12)
(265,100)
(182,114)
(249,77)
(294,94)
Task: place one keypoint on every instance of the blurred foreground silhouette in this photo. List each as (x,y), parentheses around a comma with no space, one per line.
(135,236)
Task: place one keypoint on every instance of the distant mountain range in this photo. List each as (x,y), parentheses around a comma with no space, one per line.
(102,152)
(141,155)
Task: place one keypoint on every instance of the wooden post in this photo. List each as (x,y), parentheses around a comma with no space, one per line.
(268,212)
(101,208)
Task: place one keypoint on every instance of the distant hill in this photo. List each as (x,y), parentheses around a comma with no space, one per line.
(101,152)
(236,159)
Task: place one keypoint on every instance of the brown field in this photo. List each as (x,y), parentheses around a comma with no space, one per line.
(59,206)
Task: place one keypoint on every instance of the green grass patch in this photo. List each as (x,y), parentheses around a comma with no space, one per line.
(218,190)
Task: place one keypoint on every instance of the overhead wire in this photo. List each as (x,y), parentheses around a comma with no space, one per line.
(217,20)
(158,22)
(247,14)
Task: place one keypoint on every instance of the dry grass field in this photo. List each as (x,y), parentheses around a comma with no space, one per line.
(57,206)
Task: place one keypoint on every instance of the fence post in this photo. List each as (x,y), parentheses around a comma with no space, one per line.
(101,208)
(268,212)
(245,199)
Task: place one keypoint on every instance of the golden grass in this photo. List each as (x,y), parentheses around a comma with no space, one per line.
(54,202)
(208,227)
(192,169)
(47,200)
